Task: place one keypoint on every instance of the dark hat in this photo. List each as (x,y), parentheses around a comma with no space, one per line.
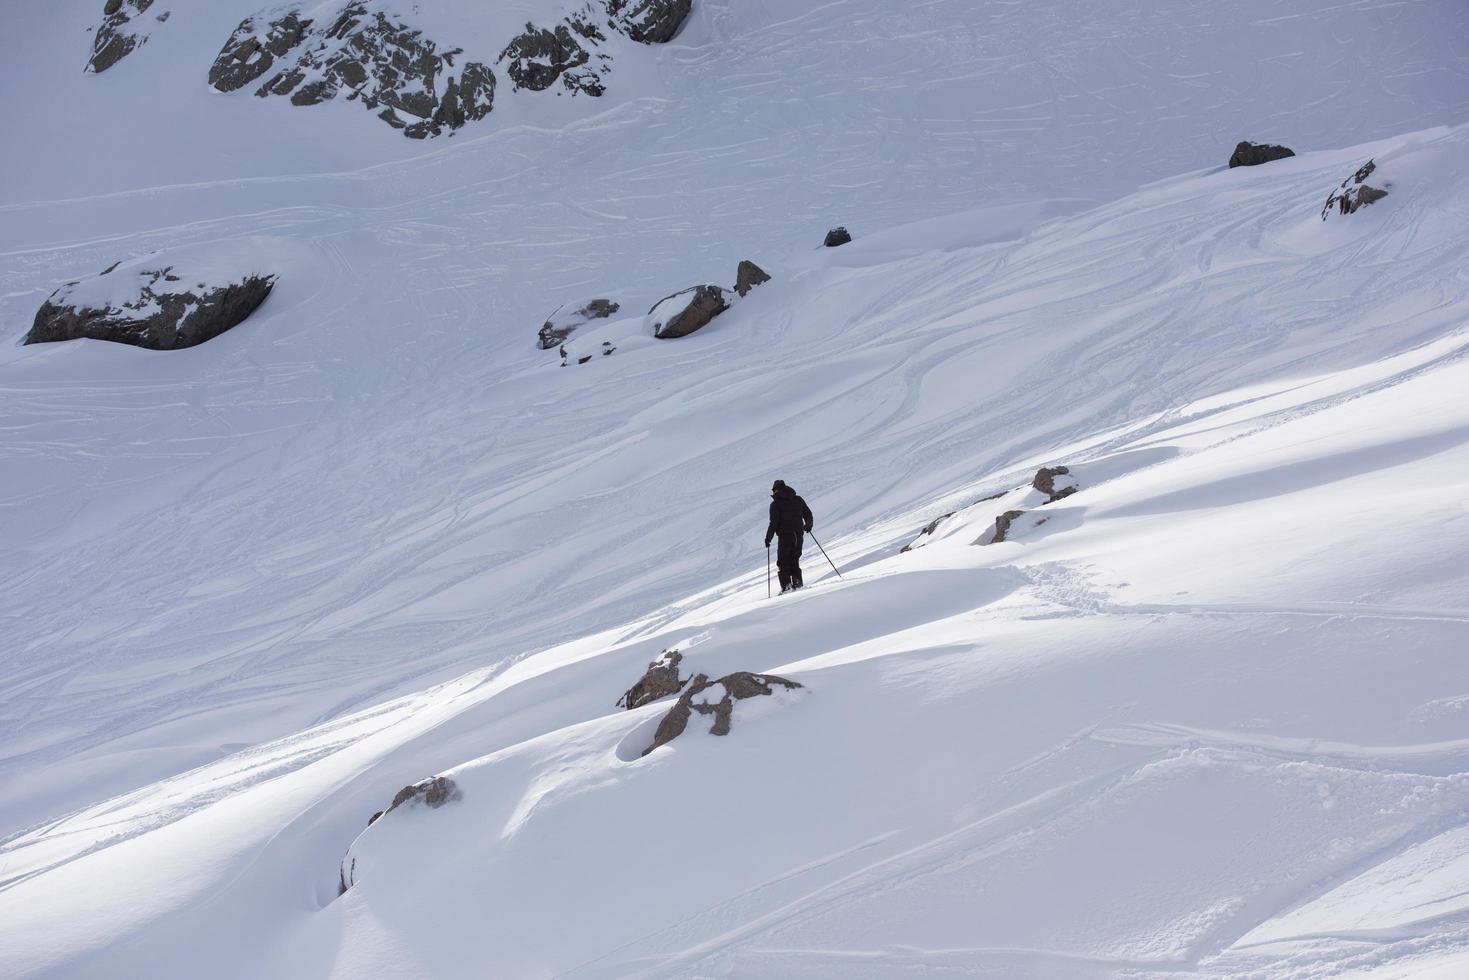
(778,485)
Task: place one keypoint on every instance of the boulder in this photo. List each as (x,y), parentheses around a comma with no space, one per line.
(562,323)
(119,34)
(1354,193)
(1248,154)
(649,21)
(684,312)
(1045,482)
(1002,526)
(748,276)
(837,236)
(660,680)
(412,83)
(147,303)
(540,56)
(716,698)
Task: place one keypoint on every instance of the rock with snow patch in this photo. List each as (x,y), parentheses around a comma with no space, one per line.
(926,533)
(1354,193)
(748,276)
(537,58)
(121,32)
(562,323)
(716,699)
(649,21)
(253,48)
(1002,527)
(837,236)
(659,681)
(1047,482)
(684,312)
(1248,154)
(154,302)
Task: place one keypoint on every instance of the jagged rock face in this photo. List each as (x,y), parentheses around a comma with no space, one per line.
(837,236)
(1002,526)
(119,34)
(660,680)
(253,48)
(163,311)
(748,276)
(1045,482)
(672,318)
(540,56)
(1354,193)
(562,323)
(716,698)
(649,21)
(1248,154)
(362,55)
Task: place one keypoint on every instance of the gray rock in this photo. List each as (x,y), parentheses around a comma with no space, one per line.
(649,21)
(1248,154)
(562,323)
(253,48)
(926,532)
(704,304)
(837,236)
(660,680)
(117,36)
(1354,193)
(1045,482)
(736,687)
(536,59)
(748,276)
(434,793)
(162,317)
(1002,526)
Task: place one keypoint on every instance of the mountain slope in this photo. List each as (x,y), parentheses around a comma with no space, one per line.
(1206,719)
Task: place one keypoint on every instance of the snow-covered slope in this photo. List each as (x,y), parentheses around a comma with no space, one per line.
(1204,716)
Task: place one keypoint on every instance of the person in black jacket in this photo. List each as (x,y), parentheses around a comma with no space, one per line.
(790,519)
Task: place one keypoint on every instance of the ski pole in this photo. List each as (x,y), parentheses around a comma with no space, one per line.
(767,571)
(826,556)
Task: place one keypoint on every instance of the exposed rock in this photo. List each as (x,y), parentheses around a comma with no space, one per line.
(1002,526)
(837,236)
(434,793)
(562,323)
(927,532)
(1248,154)
(253,47)
(1045,482)
(660,680)
(649,21)
(1354,193)
(118,36)
(359,55)
(684,312)
(147,307)
(715,698)
(748,276)
(540,56)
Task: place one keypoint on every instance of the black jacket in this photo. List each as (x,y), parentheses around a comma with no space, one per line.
(788,514)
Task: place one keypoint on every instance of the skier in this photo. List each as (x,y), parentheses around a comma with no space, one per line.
(790,518)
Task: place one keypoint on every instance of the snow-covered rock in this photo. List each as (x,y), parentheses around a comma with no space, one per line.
(565,320)
(1355,192)
(649,21)
(749,275)
(716,699)
(837,236)
(540,56)
(659,681)
(124,29)
(161,301)
(687,311)
(1056,482)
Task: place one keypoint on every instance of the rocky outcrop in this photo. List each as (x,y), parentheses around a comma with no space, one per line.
(926,533)
(562,323)
(748,276)
(433,793)
(1248,154)
(649,21)
(147,307)
(837,236)
(684,312)
(253,48)
(119,34)
(536,59)
(1045,481)
(1354,193)
(360,55)
(660,680)
(717,699)
(1001,529)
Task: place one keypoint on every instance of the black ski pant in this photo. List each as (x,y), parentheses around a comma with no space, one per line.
(788,560)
